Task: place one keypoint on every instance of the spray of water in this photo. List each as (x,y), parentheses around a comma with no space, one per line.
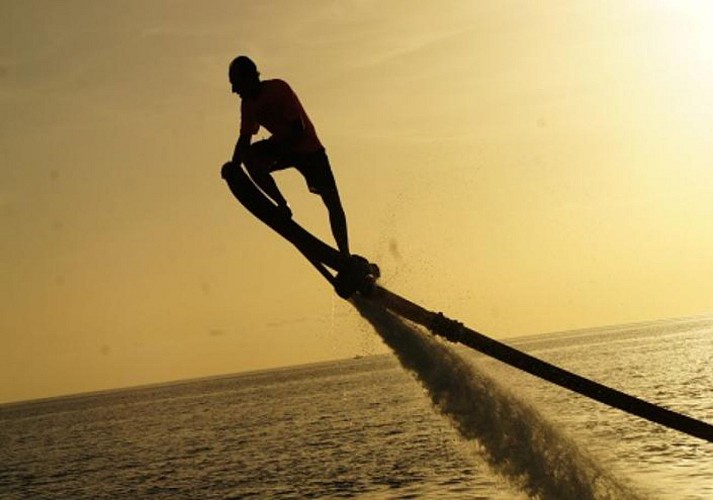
(515,440)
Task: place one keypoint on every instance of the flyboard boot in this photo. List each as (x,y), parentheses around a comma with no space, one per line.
(357,276)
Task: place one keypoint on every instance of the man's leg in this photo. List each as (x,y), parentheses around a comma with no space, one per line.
(337,219)
(259,163)
(318,173)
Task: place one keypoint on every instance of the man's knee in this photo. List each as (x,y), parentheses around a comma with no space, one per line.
(229,170)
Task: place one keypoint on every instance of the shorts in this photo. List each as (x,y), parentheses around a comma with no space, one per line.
(313,166)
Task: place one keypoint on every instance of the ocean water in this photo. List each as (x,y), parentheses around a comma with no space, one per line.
(418,424)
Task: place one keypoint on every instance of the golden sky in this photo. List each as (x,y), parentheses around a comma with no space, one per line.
(523,166)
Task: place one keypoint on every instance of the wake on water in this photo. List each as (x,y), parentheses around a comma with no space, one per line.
(515,440)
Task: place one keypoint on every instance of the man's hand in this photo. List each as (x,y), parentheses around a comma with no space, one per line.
(241,147)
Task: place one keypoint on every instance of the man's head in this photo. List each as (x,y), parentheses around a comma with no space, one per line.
(244,77)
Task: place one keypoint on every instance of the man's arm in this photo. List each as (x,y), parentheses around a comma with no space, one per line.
(241,148)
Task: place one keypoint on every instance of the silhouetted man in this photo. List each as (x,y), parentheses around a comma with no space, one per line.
(293,143)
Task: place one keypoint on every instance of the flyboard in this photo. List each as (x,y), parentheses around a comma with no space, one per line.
(348,275)
(355,275)
(456,332)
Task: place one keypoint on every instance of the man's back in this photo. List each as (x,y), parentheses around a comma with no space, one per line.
(276,107)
